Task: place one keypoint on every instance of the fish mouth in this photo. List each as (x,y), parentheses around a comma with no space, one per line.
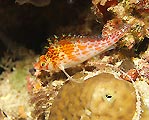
(32,71)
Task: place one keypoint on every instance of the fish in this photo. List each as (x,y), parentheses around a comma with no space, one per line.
(71,51)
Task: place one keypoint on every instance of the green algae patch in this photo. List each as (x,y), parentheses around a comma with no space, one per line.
(18,79)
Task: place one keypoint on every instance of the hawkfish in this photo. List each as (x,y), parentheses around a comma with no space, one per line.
(71,51)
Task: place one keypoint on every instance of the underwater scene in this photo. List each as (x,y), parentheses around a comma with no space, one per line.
(74,59)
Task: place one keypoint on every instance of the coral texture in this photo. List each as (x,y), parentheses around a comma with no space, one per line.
(100,97)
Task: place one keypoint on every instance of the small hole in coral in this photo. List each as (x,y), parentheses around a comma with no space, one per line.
(108,96)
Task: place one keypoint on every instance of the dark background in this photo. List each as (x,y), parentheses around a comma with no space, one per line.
(30,26)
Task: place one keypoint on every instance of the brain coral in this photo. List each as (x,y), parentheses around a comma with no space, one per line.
(102,97)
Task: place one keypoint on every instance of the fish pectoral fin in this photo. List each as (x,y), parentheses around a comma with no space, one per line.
(62,68)
(69,77)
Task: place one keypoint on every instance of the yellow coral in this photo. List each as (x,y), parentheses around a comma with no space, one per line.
(100,97)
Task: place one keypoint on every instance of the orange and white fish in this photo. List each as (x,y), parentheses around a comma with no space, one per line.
(72,51)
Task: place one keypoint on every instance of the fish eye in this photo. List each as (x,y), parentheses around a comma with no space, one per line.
(43,64)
